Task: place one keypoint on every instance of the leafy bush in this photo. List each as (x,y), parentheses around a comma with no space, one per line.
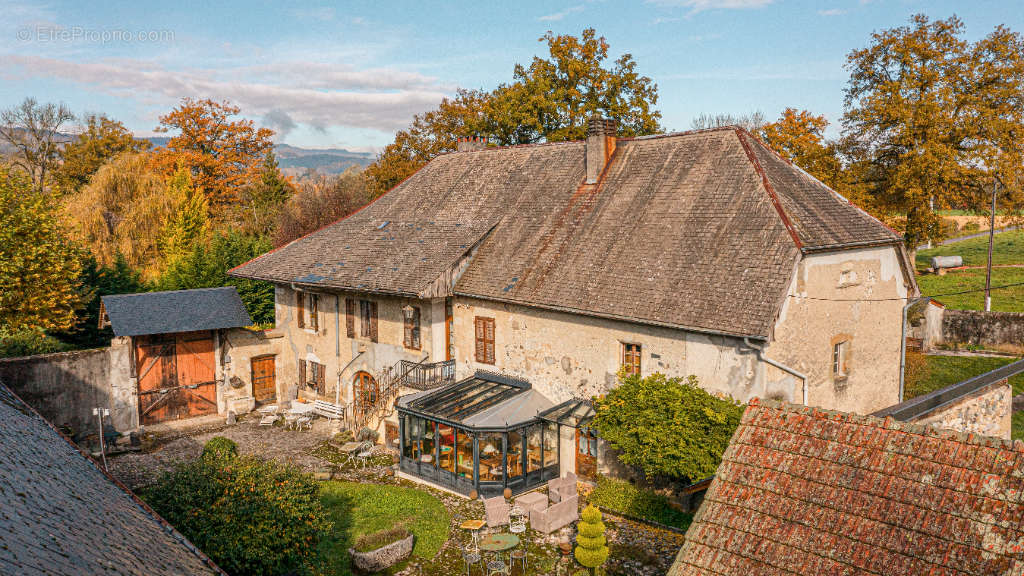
(626,498)
(28,343)
(368,435)
(667,426)
(220,448)
(251,516)
(381,538)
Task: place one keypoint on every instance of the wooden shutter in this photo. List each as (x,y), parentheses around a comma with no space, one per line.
(373,321)
(314,312)
(320,378)
(484,328)
(364,318)
(350,317)
(300,306)
(302,372)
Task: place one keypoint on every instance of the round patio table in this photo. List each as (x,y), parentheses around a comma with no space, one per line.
(499,542)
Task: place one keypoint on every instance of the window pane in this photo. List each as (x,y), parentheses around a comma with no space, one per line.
(429,437)
(491,457)
(533,448)
(408,448)
(550,444)
(447,439)
(464,450)
(515,454)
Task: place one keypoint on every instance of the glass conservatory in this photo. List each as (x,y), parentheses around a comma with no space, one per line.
(480,433)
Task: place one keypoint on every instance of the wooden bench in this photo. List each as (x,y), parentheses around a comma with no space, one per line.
(328,410)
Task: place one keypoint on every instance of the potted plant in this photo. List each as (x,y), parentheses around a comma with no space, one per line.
(378,551)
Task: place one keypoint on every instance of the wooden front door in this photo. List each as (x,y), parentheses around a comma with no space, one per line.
(264,379)
(586,454)
(365,393)
(176,376)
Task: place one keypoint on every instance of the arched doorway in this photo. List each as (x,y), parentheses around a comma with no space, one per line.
(366,393)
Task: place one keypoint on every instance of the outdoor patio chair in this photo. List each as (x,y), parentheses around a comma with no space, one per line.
(471,555)
(518,555)
(495,565)
(497,511)
(365,453)
(304,422)
(561,488)
(290,419)
(268,420)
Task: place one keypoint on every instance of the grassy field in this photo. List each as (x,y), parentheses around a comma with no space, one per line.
(928,373)
(1008,249)
(1018,425)
(358,509)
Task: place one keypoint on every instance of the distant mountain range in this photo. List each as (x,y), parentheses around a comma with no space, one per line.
(294,161)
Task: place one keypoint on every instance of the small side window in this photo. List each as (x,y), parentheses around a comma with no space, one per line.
(631,354)
(840,359)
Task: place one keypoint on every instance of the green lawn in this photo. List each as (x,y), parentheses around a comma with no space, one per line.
(1008,249)
(358,509)
(1018,426)
(1003,300)
(623,497)
(941,371)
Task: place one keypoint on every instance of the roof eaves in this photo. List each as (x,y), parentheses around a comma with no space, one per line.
(742,134)
(581,312)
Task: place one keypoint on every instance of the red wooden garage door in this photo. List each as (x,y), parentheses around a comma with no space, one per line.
(176,376)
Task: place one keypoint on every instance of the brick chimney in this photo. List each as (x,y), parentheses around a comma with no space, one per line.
(471,143)
(600,146)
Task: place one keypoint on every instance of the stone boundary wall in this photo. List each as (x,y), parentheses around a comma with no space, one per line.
(987,411)
(997,330)
(63,387)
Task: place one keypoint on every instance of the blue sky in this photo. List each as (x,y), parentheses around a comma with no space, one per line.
(351,74)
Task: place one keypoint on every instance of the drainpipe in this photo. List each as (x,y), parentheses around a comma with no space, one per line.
(903,342)
(759,350)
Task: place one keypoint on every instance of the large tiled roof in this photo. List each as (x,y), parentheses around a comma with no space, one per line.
(804,491)
(696,230)
(60,515)
(175,311)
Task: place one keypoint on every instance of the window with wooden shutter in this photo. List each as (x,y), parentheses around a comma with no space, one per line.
(350,317)
(314,312)
(412,328)
(631,358)
(302,372)
(364,318)
(373,321)
(484,328)
(300,309)
(319,380)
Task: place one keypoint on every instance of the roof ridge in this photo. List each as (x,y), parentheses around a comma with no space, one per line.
(741,135)
(204,289)
(887,423)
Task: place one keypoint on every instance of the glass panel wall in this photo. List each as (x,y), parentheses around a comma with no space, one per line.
(550,444)
(446,436)
(429,438)
(533,448)
(491,460)
(515,455)
(464,454)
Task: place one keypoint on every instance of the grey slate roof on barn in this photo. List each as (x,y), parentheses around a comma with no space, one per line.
(62,516)
(686,230)
(176,311)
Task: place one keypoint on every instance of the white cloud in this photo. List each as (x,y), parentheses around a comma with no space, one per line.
(315,94)
(560,15)
(696,6)
(832,12)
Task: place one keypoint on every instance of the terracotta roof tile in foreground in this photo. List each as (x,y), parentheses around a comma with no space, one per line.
(805,491)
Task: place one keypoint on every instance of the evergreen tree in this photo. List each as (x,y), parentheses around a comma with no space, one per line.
(591,545)
(189,225)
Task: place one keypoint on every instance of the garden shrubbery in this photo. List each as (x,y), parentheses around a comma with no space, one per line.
(621,496)
(251,516)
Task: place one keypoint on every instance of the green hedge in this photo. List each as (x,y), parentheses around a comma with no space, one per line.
(251,516)
(621,496)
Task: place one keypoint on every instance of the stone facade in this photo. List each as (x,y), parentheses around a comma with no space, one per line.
(854,296)
(987,411)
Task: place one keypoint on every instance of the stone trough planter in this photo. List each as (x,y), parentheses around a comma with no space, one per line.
(382,558)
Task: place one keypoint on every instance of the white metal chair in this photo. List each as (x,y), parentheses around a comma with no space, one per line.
(495,565)
(471,555)
(365,453)
(290,419)
(304,422)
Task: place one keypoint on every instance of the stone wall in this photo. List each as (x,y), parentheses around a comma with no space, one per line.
(996,330)
(63,387)
(853,296)
(987,411)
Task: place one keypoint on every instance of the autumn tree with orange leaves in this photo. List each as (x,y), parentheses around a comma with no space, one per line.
(222,152)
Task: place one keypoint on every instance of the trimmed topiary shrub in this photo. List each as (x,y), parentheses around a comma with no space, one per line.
(221,448)
(591,545)
(251,516)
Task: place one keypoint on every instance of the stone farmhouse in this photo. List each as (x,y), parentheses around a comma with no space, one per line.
(532,274)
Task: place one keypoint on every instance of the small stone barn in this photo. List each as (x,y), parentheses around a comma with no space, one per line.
(175,339)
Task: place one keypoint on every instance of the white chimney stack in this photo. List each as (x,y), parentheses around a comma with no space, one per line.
(600,146)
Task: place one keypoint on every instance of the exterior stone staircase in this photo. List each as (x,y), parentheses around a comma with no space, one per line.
(373,406)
